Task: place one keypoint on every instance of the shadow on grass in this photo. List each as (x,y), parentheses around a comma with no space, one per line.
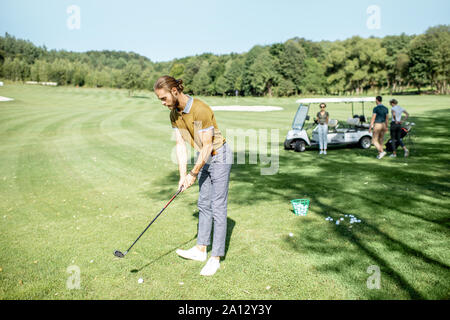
(230,226)
(403,203)
(140,97)
(161,256)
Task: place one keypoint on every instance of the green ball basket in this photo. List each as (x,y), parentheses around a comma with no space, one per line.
(300,206)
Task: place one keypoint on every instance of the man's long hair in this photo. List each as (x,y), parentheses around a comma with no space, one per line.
(168,82)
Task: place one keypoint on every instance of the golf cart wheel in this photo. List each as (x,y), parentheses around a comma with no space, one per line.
(287,145)
(300,146)
(365,142)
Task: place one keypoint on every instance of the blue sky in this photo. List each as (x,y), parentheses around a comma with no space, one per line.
(163,30)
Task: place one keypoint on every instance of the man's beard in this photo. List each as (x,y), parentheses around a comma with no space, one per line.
(175,104)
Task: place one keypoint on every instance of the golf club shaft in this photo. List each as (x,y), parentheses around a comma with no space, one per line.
(178,192)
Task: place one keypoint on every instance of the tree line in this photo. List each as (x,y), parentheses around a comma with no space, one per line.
(298,66)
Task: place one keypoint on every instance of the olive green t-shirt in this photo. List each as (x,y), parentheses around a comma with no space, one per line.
(323,117)
(196,117)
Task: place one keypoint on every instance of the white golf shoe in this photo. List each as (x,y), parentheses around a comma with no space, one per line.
(211,267)
(406,153)
(381,155)
(192,254)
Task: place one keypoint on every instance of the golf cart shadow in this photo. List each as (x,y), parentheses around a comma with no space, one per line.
(353,147)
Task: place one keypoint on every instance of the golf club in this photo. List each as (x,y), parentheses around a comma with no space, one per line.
(119,254)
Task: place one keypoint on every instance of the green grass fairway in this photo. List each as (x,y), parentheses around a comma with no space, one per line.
(83,171)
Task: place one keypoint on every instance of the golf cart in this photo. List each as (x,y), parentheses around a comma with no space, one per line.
(354,131)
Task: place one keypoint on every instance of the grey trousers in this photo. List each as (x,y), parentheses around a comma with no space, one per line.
(212,201)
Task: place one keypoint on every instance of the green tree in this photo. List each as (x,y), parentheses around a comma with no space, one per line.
(249,59)
(292,62)
(80,71)
(233,75)
(131,77)
(177,70)
(191,69)
(334,62)
(430,58)
(263,74)
(201,82)
(314,80)
(397,59)
(222,85)
(285,87)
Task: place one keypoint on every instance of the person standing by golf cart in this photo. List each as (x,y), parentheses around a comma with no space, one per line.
(322,122)
(396,127)
(194,122)
(379,125)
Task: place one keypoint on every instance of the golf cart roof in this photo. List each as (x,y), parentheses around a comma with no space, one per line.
(335,100)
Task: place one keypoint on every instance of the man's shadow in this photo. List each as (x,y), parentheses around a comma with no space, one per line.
(230,226)
(161,256)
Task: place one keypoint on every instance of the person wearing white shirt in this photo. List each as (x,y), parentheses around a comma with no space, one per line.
(396,126)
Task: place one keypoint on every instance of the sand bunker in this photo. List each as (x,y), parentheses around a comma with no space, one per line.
(246,108)
(5,99)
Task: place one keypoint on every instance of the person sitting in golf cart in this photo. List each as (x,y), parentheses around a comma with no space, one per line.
(322,120)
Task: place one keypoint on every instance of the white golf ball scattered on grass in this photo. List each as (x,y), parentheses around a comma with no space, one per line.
(352,218)
(140,280)
(291,234)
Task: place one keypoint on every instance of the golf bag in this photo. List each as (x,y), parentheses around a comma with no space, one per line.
(403,134)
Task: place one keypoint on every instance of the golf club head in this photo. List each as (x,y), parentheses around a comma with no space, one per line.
(119,254)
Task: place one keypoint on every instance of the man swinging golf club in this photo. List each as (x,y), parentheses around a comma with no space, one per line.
(194,122)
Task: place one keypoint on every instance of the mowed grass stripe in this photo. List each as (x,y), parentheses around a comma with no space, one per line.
(23,146)
(123,159)
(36,170)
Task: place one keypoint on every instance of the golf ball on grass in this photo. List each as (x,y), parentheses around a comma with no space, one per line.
(291,234)
(140,280)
